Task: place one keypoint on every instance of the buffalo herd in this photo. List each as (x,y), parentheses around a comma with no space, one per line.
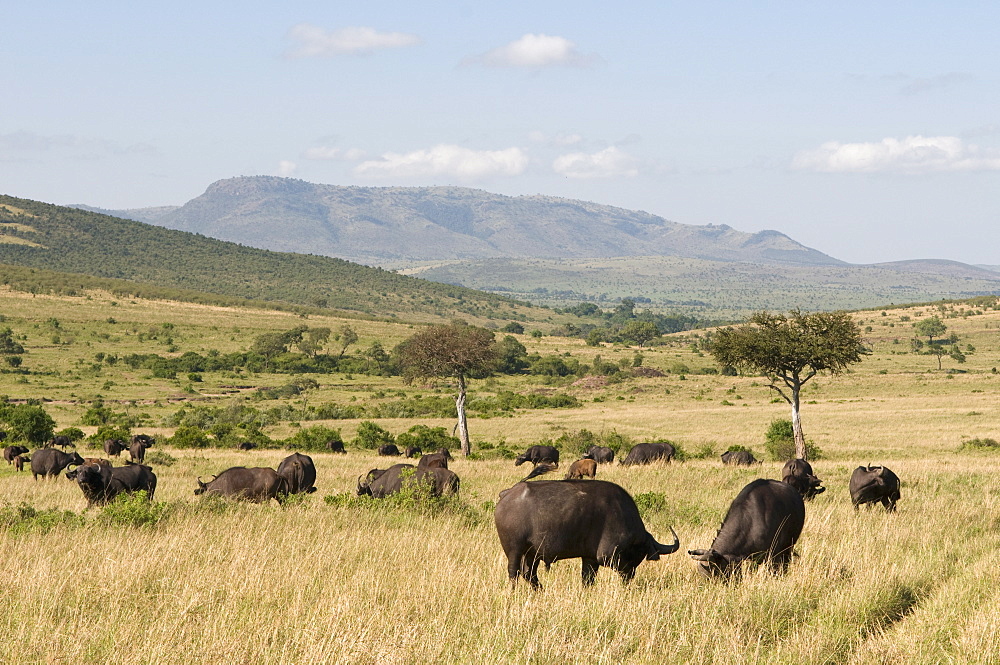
(537,521)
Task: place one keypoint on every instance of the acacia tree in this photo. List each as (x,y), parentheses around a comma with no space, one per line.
(454,351)
(790,350)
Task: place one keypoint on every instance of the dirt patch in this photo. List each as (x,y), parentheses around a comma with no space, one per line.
(591,382)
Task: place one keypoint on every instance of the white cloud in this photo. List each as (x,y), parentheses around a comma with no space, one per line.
(332,153)
(913,154)
(313,41)
(608,163)
(450,160)
(533,52)
(287,168)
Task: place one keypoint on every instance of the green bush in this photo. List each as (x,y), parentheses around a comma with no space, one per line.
(27,422)
(980,445)
(704,451)
(780,442)
(371,436)
(187,436)
(24,518)
(313,438)
(427,438)
(133,510)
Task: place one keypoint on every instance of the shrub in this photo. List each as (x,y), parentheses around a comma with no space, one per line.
(780,442)
(979,445)
(159,458)
(428,438)
(371,435)
(187,436)
(313,438)
(27,422)
(704,451)
(133,510)
(24,518)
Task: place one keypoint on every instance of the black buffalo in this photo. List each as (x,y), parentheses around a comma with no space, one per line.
(762,524)
(537,455)
(137,450)
(593,520)
(255,484)
(246,445)
(49,462)
(380,483)
(799,474)
(114,447)
(336,446)
(874,484)
(60,441)
(739,458)
(20,461)
(299,473)
(101,484)
(647,453)
(434,460)
(601,454)
(10,452)
(388,450)
(413,451)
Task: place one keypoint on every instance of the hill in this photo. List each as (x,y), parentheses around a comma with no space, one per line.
(377,225)
(69,240)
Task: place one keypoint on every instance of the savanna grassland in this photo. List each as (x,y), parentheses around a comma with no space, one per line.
(330,578)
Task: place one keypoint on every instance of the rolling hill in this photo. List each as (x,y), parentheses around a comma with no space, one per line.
(53,239)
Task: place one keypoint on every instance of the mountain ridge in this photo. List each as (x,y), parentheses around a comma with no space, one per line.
(376,225)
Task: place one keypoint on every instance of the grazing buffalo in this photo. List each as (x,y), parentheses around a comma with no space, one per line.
(763,524)
(799,474)
(582,468)
(875,484)
(10,452)
(114,447)
(434,461)
(246,445)
(739,458)
(388,450)
(144,439)
(537,455)
(601,454)
(256,484)
(49,462)
(101,484)
(299,473)
(413,451)
(60,441)
(137,450)
(596,521)
(380,483)
(20,461)
(647,453)
(336,446)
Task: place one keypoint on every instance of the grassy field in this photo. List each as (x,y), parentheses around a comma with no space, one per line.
(345,581)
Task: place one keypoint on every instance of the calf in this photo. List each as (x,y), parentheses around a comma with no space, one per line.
(582,468)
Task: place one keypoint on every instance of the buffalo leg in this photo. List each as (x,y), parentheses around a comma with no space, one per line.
(589,571)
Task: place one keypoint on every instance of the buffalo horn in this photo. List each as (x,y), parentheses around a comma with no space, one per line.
(669,549)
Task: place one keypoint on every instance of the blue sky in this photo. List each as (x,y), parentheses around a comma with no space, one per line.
(869,131)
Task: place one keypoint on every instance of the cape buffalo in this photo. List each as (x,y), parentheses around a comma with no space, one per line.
(49,462)
(101,484)
(601,454)
(537,455)
(137,450)
(388,450)
(256,484)
(114,447)
(875,484)
(20,461)
(88,461)
(434,460)
(799,474)
(246,445)
(582,468)
(380,483)
(647,453)
(336,446)
(299,473)
(10,452)
(762,524)
(60,441)
(594,520)
(412,451)
(739,458)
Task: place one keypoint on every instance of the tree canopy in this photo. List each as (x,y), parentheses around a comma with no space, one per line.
(790,350)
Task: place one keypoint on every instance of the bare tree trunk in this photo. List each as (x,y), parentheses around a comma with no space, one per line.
(800,439)
(463,423)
